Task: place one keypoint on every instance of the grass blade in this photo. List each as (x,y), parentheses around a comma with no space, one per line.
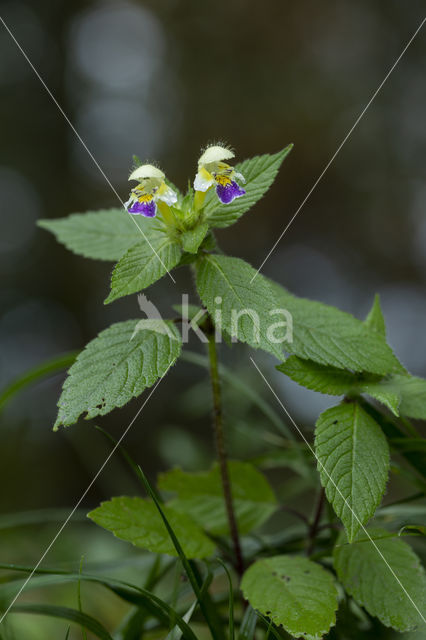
(248,624)
(48,368)
(82,619)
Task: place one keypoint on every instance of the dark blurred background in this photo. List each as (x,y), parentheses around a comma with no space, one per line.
(160,79)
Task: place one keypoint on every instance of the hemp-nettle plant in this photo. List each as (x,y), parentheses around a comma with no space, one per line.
(346,570)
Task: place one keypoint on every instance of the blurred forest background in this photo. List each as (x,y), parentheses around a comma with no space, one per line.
(160,79)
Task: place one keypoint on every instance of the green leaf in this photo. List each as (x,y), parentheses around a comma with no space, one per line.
(243,310)
(329,336)
(138,521)
(82,619)
(201,496)
(191,240)
(294,592)
(102,235)
(116,367)
(334,381)
(353,462)
(318,377)
(366,569)
(413,395)
(375,319)
(143,264)
(259,173)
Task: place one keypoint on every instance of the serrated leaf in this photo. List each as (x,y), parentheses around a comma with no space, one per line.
(318,377)
(293,592)
(353,463)
(412,391)
(364,570)
(329,336)
(201,496)
(102,235)
(114,368)
(375,319)
(334,381)
(143,264)
(243,310)
(138,521)
(191,240)
(259,173)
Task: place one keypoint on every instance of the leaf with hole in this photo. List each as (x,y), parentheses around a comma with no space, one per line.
(115,367)
(293,592)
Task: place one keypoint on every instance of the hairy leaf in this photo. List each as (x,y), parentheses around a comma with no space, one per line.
(201,496)
(385,576)
(191,240)
(329,336)
(243,310)
(334,381)
(115,367)
(412,391)
(259,173)
(353,462)
(102,235)
(294,592)
(138,521)
(375,319)
(143,264)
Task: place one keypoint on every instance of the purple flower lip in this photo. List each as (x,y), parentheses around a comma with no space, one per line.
(147,208)
(228,192)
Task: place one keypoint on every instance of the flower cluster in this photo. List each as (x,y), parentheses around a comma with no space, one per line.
(212,171)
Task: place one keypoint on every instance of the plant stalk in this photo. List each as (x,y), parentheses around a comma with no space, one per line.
(313,530)
(221,454)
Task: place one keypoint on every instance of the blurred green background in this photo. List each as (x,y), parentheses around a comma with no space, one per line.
(160,79)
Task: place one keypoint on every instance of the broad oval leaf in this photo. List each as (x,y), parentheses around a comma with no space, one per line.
(259,173)
(200,495)
(103,235)
(138,521)
(353,463)
(384,576)
(329,336)
(143,264)
(293,592)
(115,367)
(244,310)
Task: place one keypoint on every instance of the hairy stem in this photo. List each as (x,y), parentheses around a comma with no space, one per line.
(221,454)
(313,530)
